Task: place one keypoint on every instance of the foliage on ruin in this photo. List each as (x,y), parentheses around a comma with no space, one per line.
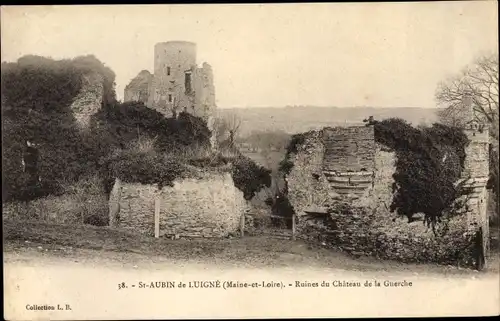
(155,167)
(429,162)
(37,94)
(296,140)
(281,206)
(357,230)
(144,167)
(122,123)
(493,181)
(249,177)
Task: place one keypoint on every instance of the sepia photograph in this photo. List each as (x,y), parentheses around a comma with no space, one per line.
(292,160)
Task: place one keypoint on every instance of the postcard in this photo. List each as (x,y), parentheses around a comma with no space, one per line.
(292,160)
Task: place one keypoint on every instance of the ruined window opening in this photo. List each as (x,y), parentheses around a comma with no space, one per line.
(187,82)
(168,71)
(169,98)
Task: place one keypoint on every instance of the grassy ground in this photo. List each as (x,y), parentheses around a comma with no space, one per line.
(262,251)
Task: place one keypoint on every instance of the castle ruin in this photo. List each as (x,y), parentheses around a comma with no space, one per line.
(177,85)
(346,165)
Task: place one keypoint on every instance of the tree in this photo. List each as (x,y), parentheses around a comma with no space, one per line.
(477,82)
(219,130)
(226,129)
(233,123)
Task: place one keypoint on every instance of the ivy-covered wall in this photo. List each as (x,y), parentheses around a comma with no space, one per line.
(365,220)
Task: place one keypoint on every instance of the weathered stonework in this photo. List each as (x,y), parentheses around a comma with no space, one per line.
(340,163)
(307,176)
(349,159)
(177,84)
(205,206)
(89,100)
(138,88)
(337,166)
(476,174)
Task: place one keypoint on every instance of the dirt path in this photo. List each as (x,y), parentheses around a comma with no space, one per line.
(87,280)
(249,252)
(47,264)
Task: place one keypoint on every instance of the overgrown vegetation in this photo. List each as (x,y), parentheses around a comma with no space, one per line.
(249,177)
(144,167)
(429,162)
(126,140)
(352,228)
(119,124)
(296,140)
(37,94)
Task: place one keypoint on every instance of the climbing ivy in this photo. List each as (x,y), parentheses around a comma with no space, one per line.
(296,140)
(429,162)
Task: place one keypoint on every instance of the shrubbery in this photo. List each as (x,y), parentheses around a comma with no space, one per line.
(120,124)
(144,167)
(429,162)
(249,177)
(125,140)
(296,140)
(37,94)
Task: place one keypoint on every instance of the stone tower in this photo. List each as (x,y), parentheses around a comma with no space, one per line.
(476,174)
(171,88)
(177,83)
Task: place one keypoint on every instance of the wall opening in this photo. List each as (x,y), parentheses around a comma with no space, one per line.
(169,98)
(168,71)
(187,81)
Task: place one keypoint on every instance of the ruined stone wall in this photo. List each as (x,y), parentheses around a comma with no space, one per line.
(307,187)
(335,164)
(348,159)
(476,174)
(205,206)
(349,148)
(138,88)
(89,99)
(177,84)
(205,92)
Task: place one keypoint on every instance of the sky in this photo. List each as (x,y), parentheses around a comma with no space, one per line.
(273,55)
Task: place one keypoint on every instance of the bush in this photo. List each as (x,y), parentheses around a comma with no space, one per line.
(249,177)
(90,201)
(429,163)
(122,123)
(128,140)
(145,168)
(37,94)
(81,202)
(296,140)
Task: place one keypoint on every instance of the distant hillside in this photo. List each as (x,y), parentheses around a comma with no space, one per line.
(300,119)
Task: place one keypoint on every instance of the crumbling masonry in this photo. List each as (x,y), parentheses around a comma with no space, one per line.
(345,164)
(177,84)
